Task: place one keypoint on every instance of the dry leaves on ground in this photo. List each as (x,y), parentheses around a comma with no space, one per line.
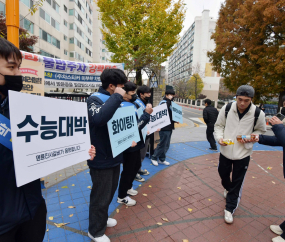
(71,215)
(159,223)
(165,219)
(144,194)
(190,210)
(60,224)
(71,206)
(149,206)
(50,218)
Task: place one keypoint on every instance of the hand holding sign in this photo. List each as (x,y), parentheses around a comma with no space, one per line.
(148,109)
(92,152)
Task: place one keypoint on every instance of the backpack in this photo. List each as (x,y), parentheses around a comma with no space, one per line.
(256,114)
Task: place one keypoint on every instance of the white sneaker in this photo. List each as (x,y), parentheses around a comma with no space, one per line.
(154,162)
(278,239)
(276,229)
(225,193)
(228,217)
(164,163)
(132,192)
(127,201)
(103,238)
(111,222)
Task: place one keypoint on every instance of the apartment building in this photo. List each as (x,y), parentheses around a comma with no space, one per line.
(190,55)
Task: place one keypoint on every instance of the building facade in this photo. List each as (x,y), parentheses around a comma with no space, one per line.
(190,56)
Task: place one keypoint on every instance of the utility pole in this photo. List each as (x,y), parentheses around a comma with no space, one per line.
(13,21)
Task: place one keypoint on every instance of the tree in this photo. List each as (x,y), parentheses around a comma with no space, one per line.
(196,85)
(26,40)
(250,37)
(182,89)
(141,33)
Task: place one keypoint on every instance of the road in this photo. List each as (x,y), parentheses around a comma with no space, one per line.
(195,115)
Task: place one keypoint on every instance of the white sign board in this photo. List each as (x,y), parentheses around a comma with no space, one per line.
(47,135)
(159,118)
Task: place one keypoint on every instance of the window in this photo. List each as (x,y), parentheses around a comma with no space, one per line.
(103,58)
(71,40)
(65,52)
(103,50)
(65,8)
(70,26)
(2,9)
(26,24)
(103,42)
(28,3)
(71,12)
(50,39)
(65,37)
(49,1)
(65,22)
(44,53)
(55,6)
(71,54)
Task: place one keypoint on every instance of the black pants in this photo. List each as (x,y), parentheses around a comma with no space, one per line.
(210,136)
(105,183)
(30,231)
(282,226)
(131,166)
(144,149)
(234,186)
(163,146)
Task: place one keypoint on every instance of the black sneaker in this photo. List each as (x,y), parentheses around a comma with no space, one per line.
(143,172)
(139,178)
(213,149)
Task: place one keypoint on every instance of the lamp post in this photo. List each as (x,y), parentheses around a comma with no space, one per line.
(13,21)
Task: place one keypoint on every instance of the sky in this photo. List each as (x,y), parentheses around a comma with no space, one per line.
(195,8)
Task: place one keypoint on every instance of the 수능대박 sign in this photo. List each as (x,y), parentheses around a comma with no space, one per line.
(70,74)
(177,113)
(123,130)
(47,139)
(159,118)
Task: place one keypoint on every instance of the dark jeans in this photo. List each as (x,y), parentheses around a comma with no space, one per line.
(163,146)
(144,149)
(105,182)
(210,136)
(234,186)
(131,166)
(282,226)
(29,231)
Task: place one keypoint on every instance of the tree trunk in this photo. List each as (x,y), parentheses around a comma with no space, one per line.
(281,99)
(139,77)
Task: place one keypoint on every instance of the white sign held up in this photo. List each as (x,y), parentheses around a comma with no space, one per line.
(158,119)
(47,135)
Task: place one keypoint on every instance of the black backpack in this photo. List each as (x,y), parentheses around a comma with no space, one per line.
(256,114)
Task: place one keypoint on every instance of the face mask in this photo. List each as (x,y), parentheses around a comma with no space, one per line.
(134,98)
(146,98)
(13,83)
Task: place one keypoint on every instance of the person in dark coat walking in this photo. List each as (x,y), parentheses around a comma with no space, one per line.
(210,115)
(277,140)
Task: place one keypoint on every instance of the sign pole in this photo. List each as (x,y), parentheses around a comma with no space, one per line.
(12,21)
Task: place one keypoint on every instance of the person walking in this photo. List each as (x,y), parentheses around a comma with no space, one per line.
(277,140)
(104,169)
(239,118)
(210,115)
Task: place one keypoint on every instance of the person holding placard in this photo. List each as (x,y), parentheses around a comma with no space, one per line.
(104,169)
(132,157)
(22,209)
(164,134)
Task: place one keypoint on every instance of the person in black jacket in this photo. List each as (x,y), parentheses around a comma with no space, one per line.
(132,156)
(22,209)
(210,115)
(104,169)
(277,140)
(164,134)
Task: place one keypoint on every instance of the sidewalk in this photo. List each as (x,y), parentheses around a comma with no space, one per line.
(188,194)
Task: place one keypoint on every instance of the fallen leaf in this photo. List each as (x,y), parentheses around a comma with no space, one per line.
(117,210)
(269,168)
(190,210)
(61,202)
(71,206)
(206,159)
(253,177)
(85,165)
(159,223)
(88,172)
(42,179)
(165,219)
(187,169)
(47,230)
(50,218)
(46,182)
(55,178)
(179,188)
(126,206)
(89,187)
(140,185)
(56,190)
(149,231)
(149,186)
(210,199)
(179,198)
(72,185)
(74,175)
(185,240)
(148,206)
(64,187)
(71,215)
(79,169)
(60,175)
(60,224)
(144,194)
(273,182)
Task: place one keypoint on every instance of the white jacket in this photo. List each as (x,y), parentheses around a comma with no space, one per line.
(231,127)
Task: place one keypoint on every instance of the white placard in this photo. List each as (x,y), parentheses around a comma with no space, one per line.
(159,118)
(47,135)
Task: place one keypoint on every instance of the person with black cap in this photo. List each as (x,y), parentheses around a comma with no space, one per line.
(239,118)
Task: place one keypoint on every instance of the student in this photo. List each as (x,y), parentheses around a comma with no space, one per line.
(22,209)
(104,169)
(144,94)
(277,140)
(164,134)
(239,118)
(132,156)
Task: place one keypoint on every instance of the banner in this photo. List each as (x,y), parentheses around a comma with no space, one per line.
(177,113)
(71,74)
(5,132)
(33,77)
(159,118)
(144,130)
(123,130)
(46,140)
